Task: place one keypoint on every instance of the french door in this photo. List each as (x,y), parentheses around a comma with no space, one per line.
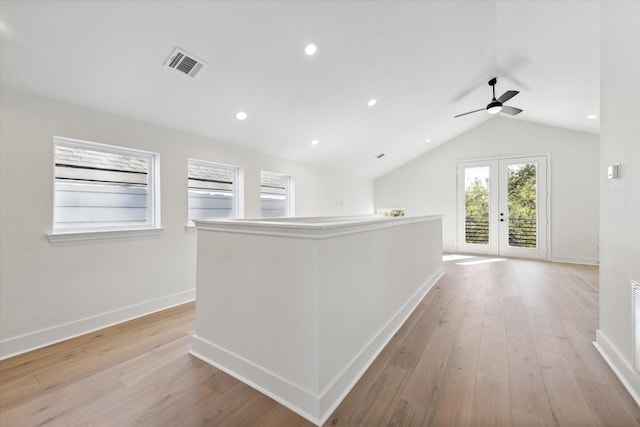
(502,207)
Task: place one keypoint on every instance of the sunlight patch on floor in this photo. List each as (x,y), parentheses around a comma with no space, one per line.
(454,257)
(481,261)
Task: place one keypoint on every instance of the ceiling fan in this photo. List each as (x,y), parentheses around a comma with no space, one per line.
(496,105)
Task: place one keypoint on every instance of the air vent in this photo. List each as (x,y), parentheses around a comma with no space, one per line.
(379,156)
(185,63)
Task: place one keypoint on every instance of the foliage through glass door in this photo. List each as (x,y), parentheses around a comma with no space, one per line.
(522,197)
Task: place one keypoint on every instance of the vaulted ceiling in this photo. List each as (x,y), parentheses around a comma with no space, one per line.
(423,62)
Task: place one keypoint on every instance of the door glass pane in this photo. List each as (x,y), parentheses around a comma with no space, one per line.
(476,205)
(522,205)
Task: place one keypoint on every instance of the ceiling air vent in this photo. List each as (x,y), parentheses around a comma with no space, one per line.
(185,62)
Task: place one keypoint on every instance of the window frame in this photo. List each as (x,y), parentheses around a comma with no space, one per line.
(289,193)
(238,197)
(153,221)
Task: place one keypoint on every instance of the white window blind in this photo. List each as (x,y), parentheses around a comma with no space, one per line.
(101,187)
(213,191)
(274,194)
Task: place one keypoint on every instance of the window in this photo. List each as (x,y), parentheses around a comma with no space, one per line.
(275,195)
(102,187)
(213,191)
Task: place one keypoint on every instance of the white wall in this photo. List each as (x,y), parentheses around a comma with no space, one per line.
(53,291)
(427,185)
(620,200)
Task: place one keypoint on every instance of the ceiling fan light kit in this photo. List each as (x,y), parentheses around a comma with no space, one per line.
(497,105)
(494,107)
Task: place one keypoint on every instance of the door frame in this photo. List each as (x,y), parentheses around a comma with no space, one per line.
(493,247)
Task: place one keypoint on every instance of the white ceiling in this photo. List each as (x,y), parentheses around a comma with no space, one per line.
(423,61)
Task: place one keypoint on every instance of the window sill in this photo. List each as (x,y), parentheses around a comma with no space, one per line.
(78,236)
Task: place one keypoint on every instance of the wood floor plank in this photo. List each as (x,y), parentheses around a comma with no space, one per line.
(180,409)
(424,385)
(515,317)
(254,412)
(491,405)
(17,390)
(140,367)
(542,336)
(122,405)
(210,412)
(408,414)
(411,348)
(455,405)
(44,408)
(469,333)
(521,418)
(567,404)
(69,371)
(493,347)
(605,404)
(378,405)
(281,416)
(527,390)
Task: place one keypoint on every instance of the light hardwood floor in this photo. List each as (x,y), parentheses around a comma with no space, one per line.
(495,343)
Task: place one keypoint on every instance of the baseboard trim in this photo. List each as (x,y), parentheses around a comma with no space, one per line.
(315,406)
(574,260)
(620,366)
(299,400)
(32,341)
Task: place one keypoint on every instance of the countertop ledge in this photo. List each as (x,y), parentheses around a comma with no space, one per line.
(310,227)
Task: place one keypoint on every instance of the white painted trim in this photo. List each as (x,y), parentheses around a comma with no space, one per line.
(620,366)
(574,260)
(45,337)
(315,407)
(310,228)
(79,236)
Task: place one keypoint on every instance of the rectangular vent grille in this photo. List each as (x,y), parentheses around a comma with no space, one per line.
(185,62)
(635,289)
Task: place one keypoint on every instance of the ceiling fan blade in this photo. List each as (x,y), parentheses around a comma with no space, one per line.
(512,111)
(469,112)
(507,95)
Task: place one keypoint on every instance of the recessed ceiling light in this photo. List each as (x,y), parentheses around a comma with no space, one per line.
(592,116)
(372,102)
(310,49)
(428,140)
(241,115)
(315,142)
